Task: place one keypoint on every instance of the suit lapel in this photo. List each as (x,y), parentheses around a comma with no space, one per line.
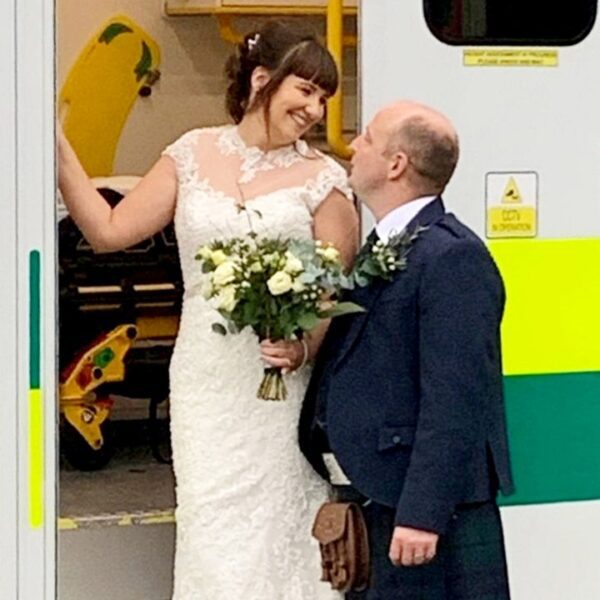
(367,296)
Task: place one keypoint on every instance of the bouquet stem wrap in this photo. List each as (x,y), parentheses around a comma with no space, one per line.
(272,386)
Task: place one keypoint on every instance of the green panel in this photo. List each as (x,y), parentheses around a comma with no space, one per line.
(34,319)
(554,434)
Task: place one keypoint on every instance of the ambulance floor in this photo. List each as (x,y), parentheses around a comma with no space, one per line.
(116,525)
(133,482)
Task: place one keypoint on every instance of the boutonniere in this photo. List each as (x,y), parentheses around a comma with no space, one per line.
(383,260)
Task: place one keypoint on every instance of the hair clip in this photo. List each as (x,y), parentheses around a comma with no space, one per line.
(253,41)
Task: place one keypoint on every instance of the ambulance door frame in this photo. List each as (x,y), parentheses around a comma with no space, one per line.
(28,418)
(8,383)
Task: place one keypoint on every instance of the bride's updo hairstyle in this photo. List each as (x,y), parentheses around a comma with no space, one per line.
(282,49)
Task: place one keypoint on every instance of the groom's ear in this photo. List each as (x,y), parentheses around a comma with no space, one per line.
(397,165)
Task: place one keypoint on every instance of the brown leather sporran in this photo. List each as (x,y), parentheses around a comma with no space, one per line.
(341,531)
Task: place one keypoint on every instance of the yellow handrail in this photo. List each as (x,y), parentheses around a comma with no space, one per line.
(174,10)
(335,105)
(226,29)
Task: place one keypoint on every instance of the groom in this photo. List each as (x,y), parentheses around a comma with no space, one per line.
(405,406)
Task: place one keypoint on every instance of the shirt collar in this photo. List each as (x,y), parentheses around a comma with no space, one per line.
(396,220)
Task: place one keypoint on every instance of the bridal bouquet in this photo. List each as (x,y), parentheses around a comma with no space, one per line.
(278,287)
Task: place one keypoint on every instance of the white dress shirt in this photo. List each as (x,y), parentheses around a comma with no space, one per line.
(396,220)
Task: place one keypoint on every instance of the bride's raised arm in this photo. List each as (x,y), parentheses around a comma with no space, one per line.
(148,208)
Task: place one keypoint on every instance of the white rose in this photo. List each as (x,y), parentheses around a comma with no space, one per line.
(330,253)
(226,299)
(256,267)
(293,264)
(298,286)
(279,283)
(223,274)
(218,257)
(205,253)
(272,259)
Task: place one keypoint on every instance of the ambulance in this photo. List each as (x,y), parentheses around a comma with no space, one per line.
(517,80)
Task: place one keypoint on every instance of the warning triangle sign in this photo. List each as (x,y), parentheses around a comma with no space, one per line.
(511,193)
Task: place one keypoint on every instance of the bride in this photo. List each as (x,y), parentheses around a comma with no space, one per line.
(246,497)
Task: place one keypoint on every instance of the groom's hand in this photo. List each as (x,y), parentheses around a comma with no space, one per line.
(412,547)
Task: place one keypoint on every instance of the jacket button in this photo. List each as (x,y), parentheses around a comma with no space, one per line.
(396,439)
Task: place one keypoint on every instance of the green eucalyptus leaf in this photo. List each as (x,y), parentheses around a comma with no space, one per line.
(343,308)
(370,268)
(347,283)
(307,278)
(308,321)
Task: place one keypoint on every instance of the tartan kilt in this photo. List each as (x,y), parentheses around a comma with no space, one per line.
(470,562)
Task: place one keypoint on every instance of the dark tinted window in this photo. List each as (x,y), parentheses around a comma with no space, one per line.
(510,22)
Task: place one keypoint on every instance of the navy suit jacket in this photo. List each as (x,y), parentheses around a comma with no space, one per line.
(411,390)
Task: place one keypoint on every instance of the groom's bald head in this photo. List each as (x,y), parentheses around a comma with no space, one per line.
(407,151)
(426,137)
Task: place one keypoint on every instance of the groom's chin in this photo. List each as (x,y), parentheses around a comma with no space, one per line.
(356,188)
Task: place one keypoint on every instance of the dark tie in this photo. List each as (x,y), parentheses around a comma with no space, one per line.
(371,240)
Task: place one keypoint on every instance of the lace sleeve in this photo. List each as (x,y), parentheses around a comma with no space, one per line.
(182,153)
(332,176)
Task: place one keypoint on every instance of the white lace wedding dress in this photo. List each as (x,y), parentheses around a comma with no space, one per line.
(246,497)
